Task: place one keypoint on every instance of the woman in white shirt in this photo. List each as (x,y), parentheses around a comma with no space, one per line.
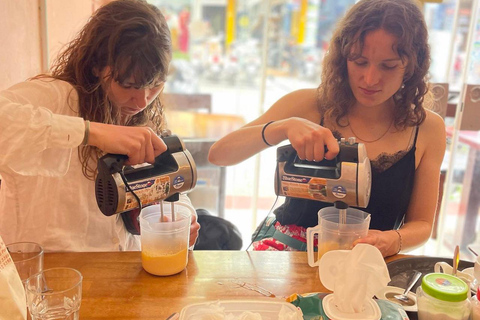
(101,97)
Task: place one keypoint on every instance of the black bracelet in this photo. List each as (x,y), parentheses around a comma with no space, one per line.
(263,133)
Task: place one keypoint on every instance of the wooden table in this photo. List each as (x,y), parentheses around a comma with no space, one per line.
(116,287)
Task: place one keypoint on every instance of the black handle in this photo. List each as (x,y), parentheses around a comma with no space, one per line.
(113,163)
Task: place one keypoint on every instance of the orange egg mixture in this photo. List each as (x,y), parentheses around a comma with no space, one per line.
(324,247)
(164,265)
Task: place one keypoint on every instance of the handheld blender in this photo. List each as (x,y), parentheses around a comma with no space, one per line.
(120,188)
(344,181)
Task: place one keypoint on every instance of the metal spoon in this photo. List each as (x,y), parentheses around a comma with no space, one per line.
(413,280)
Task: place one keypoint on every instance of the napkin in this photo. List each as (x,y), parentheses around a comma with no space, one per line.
(13,304)
(354,276)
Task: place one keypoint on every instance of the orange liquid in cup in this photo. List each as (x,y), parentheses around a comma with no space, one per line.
(324,247)
(164,264)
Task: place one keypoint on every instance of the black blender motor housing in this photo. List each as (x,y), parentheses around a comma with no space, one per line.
(111,189)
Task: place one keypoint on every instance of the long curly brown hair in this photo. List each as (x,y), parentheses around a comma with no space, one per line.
(401,18)
(130,37)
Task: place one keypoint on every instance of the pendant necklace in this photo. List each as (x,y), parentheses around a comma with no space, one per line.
(368,141)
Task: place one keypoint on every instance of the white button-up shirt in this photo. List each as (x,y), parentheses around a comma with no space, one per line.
(44,196)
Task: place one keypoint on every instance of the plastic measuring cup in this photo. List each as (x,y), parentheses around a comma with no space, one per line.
(333,235)
(165,243)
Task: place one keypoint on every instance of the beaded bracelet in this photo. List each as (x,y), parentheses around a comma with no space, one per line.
(87,133)
(263,134)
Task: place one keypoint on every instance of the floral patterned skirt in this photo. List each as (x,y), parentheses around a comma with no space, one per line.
(272,244)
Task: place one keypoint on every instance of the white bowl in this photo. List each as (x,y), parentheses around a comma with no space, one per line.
(388,292)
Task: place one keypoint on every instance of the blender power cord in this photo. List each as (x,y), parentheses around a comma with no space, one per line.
(259,228)
(130,189)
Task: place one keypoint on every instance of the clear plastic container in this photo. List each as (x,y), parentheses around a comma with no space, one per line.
(165,243)
(238,308)
(333,235)
(443,297)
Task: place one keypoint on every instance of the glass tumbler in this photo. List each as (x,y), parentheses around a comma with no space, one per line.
(27,257)
(54,294)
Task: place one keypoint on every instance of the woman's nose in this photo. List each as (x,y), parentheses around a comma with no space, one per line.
(372,76)
(141,97)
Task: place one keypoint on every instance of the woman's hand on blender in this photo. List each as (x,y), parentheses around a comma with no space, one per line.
(140,144)
(311,141)
(194,228)
(385,241)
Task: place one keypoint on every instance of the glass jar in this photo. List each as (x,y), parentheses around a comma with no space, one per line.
(443,297)
(476,306)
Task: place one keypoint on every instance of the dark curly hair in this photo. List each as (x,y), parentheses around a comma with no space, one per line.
(404,20)
(132,38)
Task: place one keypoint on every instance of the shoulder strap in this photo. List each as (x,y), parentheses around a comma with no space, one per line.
(416,134)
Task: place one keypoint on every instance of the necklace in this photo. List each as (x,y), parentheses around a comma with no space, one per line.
(368,141)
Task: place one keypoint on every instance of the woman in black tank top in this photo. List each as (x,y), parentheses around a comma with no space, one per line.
(392,184)
(373,88)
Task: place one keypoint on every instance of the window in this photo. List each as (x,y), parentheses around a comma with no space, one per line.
(246,54)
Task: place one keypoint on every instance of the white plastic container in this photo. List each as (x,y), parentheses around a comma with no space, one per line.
(266,309)
(443,297)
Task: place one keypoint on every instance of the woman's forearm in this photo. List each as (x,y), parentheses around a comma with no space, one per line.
(414,234)
(245,142)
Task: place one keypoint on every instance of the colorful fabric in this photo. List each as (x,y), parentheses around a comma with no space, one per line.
(272,244)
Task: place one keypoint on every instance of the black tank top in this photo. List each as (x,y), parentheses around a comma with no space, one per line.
(389,199)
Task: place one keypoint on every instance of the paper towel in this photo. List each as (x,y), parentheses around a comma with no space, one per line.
(13,304)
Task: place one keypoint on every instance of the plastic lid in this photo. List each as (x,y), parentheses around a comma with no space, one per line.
(237,308)
(370,311)
(445,287)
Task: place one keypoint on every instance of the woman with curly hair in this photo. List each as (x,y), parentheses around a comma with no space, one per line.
(102,96)
(374,80)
